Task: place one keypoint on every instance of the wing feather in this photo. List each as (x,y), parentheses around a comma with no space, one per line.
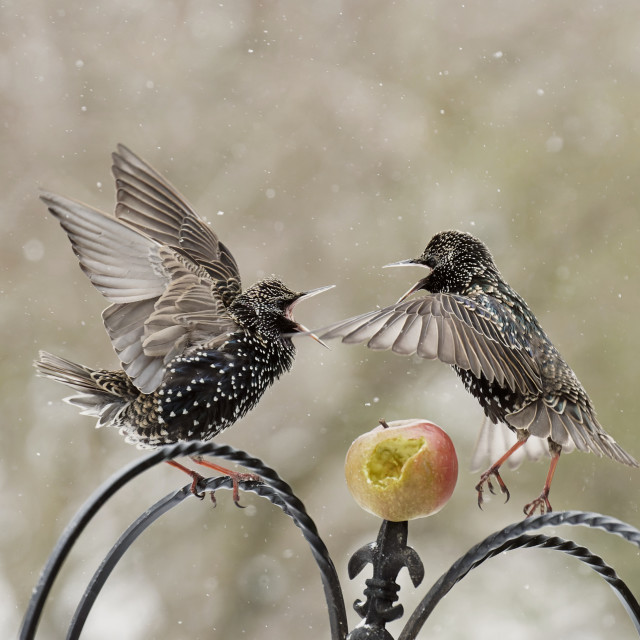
(458,330)
(388,333)
(103,245)
(162,300)
(461,350)
(428,341)
(149,203)
(363,332)
(406,343)
(446,343)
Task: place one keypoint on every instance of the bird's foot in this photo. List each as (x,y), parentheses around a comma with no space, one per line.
(236,478)
(485,478)
(241,477)
(195,477)
(541,502)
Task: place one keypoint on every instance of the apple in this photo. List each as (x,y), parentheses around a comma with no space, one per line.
(402,470)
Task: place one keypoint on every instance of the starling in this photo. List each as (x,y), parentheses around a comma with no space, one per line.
(474,321)
(197,352)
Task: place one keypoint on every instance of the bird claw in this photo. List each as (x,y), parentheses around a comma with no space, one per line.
(235,476)
(197,479)
(486,478)
(541,502)
(242,477)
(235,479)
(236,488)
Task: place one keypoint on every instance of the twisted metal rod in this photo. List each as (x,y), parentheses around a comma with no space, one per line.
(605,571)
(69,536)
(278,491)
(512,537)
(116,552)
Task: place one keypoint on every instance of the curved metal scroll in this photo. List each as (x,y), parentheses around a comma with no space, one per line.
(273,488)
(513,537)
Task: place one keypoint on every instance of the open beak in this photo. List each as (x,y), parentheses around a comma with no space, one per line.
(418,285)
(300,327)
(411,262)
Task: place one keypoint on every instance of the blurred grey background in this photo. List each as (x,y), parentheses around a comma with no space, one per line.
(322,140)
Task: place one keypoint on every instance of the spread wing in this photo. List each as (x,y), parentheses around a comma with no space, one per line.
(148,202)
(162,301)
(477,335)
(470,333)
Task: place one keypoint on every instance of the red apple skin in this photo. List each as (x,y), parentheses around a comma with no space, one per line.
(403,471)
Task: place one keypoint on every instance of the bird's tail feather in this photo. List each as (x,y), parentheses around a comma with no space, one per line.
(494,440)
(572,427)
(94,399)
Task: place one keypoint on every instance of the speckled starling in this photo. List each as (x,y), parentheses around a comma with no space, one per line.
(474,321)
(196,352)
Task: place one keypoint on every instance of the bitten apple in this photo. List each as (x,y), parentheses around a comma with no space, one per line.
(402,470)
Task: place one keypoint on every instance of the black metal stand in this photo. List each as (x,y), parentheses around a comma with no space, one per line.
(388,554)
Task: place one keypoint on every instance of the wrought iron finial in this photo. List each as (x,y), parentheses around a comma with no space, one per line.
(388,555)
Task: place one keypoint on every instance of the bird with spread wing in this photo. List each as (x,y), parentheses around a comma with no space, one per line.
(471,319)
(196,352)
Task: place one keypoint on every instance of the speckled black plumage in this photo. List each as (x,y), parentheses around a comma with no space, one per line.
(473,320)
(196,352)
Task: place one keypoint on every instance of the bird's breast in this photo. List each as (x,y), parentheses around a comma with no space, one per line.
(207,391)
(497,401)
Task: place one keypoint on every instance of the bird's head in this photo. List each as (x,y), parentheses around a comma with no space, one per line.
(456,259)
(266,308)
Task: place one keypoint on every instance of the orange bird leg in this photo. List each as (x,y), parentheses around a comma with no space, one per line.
(542,501)
(234,475)
(196,477)
(494,470)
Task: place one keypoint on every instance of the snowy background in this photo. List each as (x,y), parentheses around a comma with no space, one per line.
(322,140)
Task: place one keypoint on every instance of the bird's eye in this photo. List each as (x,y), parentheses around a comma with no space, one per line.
(431,262)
